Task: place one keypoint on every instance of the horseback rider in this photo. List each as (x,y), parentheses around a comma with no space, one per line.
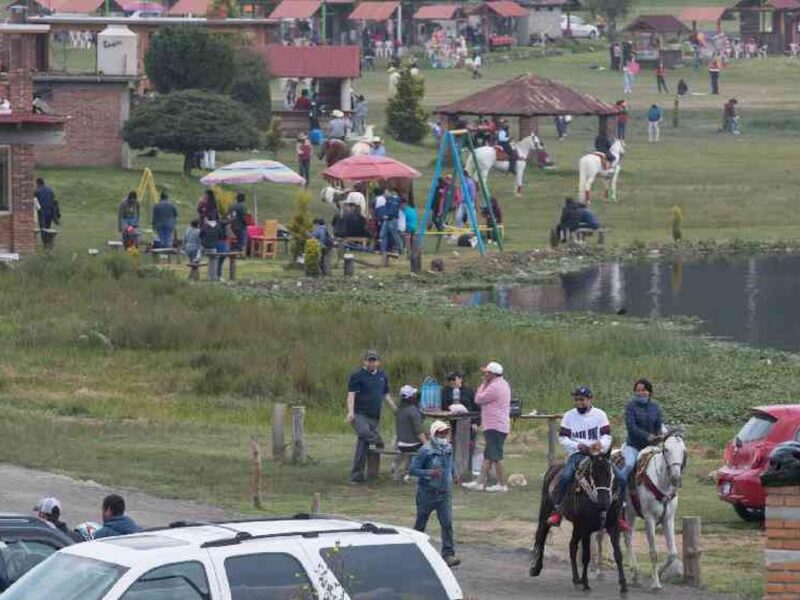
(603,144)
(337,127)
(504,141)
(644,424)
(585,431)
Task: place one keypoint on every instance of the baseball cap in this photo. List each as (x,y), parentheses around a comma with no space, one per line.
(46,506)
(438,426)
(453,375)
(408,391)
(372,355)
(493,367)
(582,391)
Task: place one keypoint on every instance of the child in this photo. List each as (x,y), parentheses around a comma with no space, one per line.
(409,432)
(434,468)
(191,242)
(304,156)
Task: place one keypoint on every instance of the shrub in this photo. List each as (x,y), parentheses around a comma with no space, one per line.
(406,120)
(273,139)
(119,265)
(311,257)
(300,225)
(467,364)
(677,223)
(407,368)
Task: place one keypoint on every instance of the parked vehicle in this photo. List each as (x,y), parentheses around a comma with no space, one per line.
(301,558)
(25,541)
(578,28)
(747,456)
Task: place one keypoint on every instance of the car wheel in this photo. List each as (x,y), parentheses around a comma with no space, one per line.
(751,515)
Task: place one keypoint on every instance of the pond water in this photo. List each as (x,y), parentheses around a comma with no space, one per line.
(752,300)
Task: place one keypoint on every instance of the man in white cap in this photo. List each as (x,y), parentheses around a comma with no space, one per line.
(337,127)
(409,430)
(378,149)
(433,467)
(494,398)
(49,510)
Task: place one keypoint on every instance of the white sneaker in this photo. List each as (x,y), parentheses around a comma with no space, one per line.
(497,488)
(472,485)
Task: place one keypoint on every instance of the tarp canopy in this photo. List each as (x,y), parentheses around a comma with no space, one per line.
(369,168)
(296,9)
(73,6)
(190,7)
(374,11)
(507,8)
(437,12)
(703,14)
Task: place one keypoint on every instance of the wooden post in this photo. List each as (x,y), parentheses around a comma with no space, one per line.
(315,503)
(603,125)
(373,464)
(552,439)
(349,265)
(298,435)
(232,267)
(255,484)
(461,445)
(691,551)
(212,266)
(278,439)
(676,116)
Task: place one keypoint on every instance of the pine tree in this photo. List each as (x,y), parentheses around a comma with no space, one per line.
(406,120)
(300,225)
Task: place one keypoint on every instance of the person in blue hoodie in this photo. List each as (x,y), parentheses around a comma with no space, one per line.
(644,423)
(115,521)
(434,469)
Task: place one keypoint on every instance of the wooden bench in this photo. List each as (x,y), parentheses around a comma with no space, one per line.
(115,245)
(374,461)
(579,235)
(157,253)
(213,257)
(194,270)
(342,243)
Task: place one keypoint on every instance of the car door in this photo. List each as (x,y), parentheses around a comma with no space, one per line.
(20,552)
(265,571)
(185,580)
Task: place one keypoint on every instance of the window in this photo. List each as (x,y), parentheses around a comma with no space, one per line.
(393,572)
(757,428)
(5,178)
(20,556)
(270,576)
(67,577)
(179,581)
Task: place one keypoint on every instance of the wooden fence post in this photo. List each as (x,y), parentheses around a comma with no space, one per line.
(315,504)
(255,483)
(691,551)
(552,439)
(463,457)
(278,423)
(676,114)
(298,434)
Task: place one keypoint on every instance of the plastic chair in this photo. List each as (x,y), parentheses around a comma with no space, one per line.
(269,245)
(255,238)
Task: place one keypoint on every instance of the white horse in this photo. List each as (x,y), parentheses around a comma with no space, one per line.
(657,490)
(339,197)
(487,158)
(364,145)
(591,166)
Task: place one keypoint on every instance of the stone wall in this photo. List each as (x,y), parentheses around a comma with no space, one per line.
(782,552)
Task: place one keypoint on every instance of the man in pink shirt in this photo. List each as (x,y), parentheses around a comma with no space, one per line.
(494,398)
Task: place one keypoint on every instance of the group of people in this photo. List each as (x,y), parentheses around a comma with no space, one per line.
(114,520)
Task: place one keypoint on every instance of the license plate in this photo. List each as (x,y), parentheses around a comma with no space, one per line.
(725,488)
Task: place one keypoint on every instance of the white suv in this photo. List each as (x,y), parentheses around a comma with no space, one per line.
(300,558)
(578,28)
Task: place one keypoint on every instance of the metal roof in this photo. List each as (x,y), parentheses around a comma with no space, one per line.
(296,9)
(319,62)
(704,14)
(657,24)
(507,8)
(529,96)
(437,12)
(190,7)
(374,11)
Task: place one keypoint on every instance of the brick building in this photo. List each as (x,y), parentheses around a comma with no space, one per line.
(20,132)
(782,552)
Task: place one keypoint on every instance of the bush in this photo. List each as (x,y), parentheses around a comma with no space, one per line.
(406,120)
(677,223)
(312,257)
(273,139)
(407,368)
(300,225)
(468,364)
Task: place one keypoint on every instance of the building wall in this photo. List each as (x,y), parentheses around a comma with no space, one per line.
(94,130)
(545,21)
(17,226)
(782,551)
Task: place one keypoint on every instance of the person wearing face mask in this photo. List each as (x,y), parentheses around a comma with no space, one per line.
(585,430)
(644,424)
(434,468)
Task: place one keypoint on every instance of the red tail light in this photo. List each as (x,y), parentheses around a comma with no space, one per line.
(758,458)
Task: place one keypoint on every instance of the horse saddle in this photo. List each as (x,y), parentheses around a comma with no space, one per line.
(575,488)
(502,155)
(603,160)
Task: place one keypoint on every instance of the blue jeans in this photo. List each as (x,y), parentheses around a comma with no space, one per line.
(241,240)
(221,247)
(441,502)
(389,228)
(630,454)
(165,235)
(130,222)
(621,130)
(567,476)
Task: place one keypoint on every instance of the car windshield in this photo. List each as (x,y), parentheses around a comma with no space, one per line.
(66,577)
(757,428)
(391,572)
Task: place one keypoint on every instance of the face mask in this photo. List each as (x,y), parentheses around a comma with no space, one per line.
(642,399)
(440,443)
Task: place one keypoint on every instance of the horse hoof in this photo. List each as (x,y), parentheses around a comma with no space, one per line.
(535,571)
(586,589)
(623,591)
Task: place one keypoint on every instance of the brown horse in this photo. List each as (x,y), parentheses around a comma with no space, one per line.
(333,151)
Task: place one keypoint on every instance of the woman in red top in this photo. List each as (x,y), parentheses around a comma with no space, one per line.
(622,118)
(661,73)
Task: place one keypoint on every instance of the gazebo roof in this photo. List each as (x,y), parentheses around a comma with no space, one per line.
(317,62)
(529,96)
(657,24)
(703,14)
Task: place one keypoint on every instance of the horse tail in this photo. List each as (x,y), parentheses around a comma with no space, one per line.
(583,165)
(470,164)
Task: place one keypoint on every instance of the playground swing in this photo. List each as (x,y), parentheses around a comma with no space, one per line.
(451,140)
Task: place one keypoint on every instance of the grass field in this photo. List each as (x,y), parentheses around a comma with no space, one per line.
(129,376)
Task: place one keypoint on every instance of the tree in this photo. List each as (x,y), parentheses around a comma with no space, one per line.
(250,84)
(406,120)
(190,121)
(611,10)
(189,57)
(300,225)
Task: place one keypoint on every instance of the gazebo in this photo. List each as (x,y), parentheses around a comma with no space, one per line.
(650,35)
(500,21)
(529,97)
(704,14)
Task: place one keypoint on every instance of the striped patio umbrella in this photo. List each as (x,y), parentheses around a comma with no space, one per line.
(251,172)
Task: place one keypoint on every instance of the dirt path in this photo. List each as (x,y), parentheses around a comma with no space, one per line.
(485,573)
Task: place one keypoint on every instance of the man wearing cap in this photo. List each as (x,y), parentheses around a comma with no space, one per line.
(337,127)
(433,467)
(49,510)
(408,430)
(378,149)
(585,430)
(367,390)
(494,398)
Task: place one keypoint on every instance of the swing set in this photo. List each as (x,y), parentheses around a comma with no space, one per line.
(452,142)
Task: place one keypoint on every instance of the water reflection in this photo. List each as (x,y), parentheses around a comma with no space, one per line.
(752,300)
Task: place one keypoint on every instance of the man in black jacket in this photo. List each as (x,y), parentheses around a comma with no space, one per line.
(455,392)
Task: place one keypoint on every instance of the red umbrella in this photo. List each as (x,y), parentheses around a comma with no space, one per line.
(369,168)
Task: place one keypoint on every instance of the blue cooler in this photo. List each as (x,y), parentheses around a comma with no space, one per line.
(431,398)
(316,137)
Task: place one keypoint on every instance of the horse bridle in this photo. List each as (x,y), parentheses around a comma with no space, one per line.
(587,484)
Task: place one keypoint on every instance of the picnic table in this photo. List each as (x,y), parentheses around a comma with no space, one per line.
(214,256)
(156,253)
(462,425)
